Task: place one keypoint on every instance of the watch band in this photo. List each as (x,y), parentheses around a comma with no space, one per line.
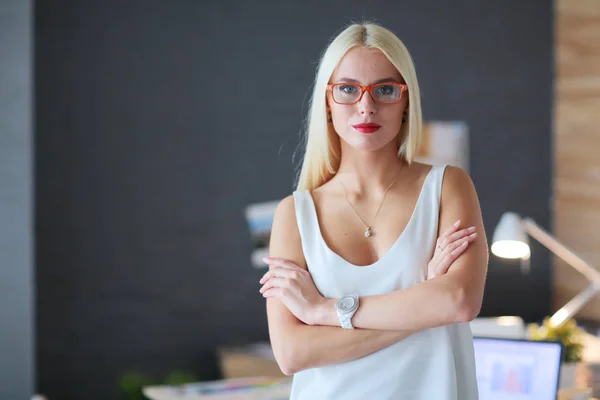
(346,308)
(345,320)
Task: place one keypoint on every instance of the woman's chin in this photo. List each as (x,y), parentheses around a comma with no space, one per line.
(369,142)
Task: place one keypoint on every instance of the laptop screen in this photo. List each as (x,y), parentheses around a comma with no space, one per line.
(509,369)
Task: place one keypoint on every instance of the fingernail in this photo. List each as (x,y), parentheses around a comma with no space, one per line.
(457,223)
(473,234)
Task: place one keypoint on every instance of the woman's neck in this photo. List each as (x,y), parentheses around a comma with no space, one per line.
(369,173)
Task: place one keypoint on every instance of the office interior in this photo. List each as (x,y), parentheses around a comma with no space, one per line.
(135,138)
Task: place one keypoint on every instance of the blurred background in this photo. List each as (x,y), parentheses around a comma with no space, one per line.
(133,135)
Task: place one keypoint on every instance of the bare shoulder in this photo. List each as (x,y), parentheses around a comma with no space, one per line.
(285,239)
(458,188)
(459,201)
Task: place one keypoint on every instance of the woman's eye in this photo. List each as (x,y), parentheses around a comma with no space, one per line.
(386,89)
(349,89)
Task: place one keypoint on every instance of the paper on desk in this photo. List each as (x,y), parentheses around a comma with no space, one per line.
(254,388)
(591,349)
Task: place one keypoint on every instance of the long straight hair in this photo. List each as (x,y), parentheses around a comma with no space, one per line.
(322,149)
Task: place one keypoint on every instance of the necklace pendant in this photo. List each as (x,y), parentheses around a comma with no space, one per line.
(368,232)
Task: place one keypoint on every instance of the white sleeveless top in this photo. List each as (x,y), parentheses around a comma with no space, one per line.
(432,364)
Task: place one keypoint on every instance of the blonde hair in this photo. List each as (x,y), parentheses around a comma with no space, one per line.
(322,153)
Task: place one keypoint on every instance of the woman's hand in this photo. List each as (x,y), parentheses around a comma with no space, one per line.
(294,287)
(448,247)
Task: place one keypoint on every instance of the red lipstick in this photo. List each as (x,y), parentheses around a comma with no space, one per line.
(366,128)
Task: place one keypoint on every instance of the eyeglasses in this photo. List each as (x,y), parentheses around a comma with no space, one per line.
(382,93)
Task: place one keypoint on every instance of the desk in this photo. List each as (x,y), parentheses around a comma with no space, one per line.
(238,362)
(277,392)
(254,388)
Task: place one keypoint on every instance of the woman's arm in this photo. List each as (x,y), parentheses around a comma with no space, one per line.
(299,346)
(450,298)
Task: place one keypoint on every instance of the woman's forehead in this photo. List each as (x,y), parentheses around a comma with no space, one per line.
(365,66)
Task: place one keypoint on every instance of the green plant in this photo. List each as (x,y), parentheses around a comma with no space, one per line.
(180,378)
(569,334)
(132,383)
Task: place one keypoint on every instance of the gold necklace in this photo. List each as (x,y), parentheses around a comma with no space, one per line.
(368,232)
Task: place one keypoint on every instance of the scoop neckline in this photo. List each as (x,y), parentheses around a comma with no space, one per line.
(394,245)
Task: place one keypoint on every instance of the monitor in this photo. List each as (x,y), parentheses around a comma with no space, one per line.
(515,369)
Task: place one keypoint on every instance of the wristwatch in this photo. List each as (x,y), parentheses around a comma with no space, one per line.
(345,308)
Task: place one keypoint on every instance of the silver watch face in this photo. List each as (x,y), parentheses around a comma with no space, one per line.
(346,304)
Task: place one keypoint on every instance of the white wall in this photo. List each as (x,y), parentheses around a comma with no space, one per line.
(16,207)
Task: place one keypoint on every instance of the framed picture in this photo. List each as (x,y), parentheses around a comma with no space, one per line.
(259,217)
(445,142)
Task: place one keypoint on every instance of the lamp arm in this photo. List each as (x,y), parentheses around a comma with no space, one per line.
(535,231)
(574,305)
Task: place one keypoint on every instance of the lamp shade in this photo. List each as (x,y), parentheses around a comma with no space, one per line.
(510,239)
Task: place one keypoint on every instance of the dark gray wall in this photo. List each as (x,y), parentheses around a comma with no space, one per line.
(159,121)
(16,202)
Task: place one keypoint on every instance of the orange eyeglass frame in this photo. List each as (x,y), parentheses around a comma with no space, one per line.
(403,88)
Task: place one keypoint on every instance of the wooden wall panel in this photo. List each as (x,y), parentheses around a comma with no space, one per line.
(577,144)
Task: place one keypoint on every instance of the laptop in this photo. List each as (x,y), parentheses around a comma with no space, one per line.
(517,369)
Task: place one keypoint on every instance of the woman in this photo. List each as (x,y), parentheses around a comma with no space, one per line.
(377,262)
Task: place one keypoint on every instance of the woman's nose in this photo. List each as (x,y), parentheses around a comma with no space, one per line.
(366,105)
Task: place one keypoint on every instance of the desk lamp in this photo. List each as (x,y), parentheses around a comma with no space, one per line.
(510,241)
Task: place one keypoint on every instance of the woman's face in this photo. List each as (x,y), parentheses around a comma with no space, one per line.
(366,67)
